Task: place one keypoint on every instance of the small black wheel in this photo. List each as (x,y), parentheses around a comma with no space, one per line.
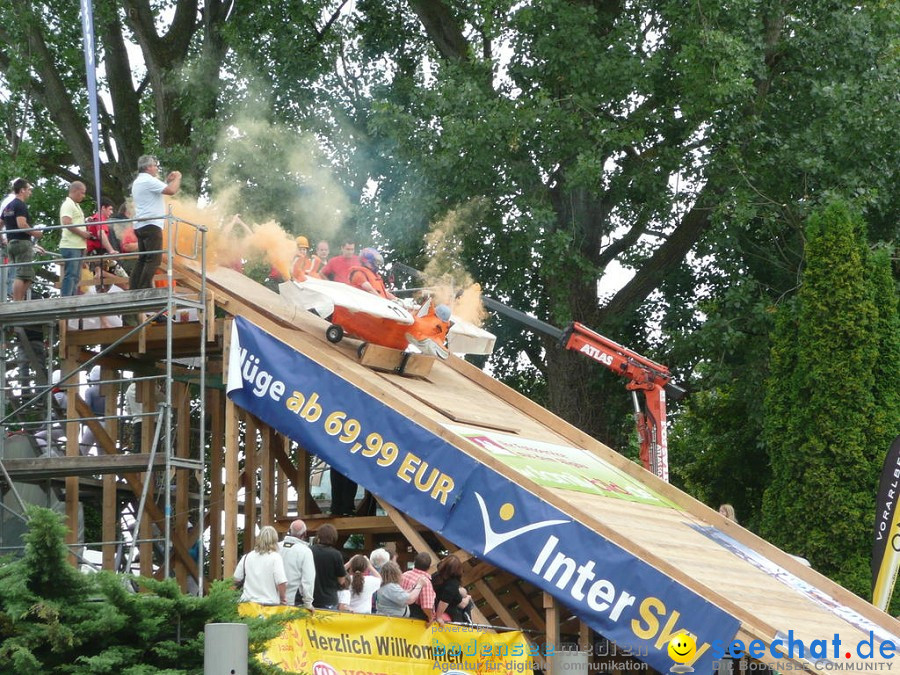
(361,349)
(334,333)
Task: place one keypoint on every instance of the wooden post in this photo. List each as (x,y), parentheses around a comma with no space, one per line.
(182,476)
(267,477)
(250,446)
(290,477)
(216,449)
(73,430)
(305,503)
(232,468)
(232,482)
(551,610)
(584,636)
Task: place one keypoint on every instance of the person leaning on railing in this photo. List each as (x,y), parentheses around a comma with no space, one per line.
(20,237)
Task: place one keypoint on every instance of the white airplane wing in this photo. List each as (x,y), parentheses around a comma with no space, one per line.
(322,296)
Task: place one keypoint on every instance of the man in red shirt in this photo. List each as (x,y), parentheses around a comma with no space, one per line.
(423,608)
(98,229)
(338,268)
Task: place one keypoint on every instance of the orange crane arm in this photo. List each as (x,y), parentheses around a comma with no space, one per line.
(652,379)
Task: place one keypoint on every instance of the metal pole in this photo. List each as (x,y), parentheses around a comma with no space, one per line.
(171,234)
(83,366)
(4,346)
(202,425)
(140,511)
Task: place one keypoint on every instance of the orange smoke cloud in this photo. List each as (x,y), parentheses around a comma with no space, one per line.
(228,240)
(445,273)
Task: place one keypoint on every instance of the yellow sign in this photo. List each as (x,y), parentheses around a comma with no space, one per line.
(340,643)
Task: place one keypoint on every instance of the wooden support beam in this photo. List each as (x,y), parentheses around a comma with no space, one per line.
(407,530)
(516,593)
(230,495)
(267,476)
(305,503)
(210,315)
(419,543)
(551,636)
(496,604)
(182,476)
(476,572)
(281,488)
(216,467)
(146,396)
(30,469)
(73,432)
(110,529)
(280,450)
(232,483)
(109,510)
(251,445)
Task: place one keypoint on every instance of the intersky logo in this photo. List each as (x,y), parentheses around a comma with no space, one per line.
(493,539)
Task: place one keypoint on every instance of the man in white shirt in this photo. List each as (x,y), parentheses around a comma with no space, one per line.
(298,566)
(149,211)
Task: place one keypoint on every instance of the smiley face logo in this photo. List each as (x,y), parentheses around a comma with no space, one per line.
(682,648)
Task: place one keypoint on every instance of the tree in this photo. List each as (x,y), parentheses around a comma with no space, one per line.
(820,405)
(643,134)
(55,619)
(174,105)
(687,144)
(819,135)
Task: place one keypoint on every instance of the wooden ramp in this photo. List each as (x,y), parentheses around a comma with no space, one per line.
(533,497)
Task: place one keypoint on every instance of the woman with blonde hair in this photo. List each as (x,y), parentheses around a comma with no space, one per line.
(391,599)
(262,571)
(727,510)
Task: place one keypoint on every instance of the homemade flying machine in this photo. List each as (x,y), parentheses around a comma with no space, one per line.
(430,329)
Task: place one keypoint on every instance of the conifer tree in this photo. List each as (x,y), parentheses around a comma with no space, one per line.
(53,619)
(886,420)
(820,405)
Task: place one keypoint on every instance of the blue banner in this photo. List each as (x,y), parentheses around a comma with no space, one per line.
(618,595)
(90,65)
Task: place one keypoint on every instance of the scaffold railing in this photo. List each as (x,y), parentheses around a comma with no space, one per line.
(36,402)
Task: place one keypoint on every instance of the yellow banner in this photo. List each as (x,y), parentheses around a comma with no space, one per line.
(340,643)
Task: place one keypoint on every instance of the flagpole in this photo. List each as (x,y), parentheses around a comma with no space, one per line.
(90,64)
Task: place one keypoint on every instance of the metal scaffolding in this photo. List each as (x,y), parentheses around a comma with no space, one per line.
(36,412)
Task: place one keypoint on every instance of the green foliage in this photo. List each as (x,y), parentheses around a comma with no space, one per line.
(820,405)
(54,619)
(886,415)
